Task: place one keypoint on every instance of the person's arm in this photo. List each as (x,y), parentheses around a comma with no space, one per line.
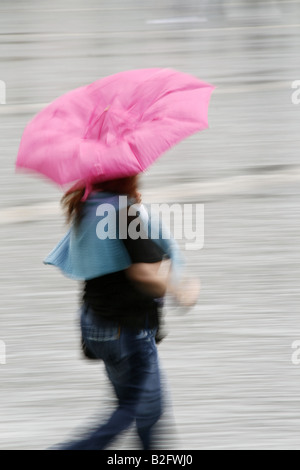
(152,274)
(151,278)
(155,279)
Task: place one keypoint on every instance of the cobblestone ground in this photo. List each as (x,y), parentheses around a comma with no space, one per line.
(229,361)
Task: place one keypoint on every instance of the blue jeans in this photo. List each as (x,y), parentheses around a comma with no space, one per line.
(131,363)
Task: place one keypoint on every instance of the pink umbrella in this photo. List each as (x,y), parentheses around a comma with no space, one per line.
(115,127)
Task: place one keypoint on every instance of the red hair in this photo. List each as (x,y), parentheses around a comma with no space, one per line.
(72,199)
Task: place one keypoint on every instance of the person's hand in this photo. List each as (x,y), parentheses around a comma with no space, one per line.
(187,292)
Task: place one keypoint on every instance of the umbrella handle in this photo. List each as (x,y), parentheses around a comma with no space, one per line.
(87,192)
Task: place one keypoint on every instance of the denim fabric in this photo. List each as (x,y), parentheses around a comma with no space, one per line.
(131,362)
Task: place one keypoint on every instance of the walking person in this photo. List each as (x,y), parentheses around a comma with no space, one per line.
(102,136)
(120,307)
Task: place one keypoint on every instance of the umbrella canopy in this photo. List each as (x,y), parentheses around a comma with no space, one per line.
(115,127)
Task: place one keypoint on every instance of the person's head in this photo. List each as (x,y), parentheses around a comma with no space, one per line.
(72,200)
(123,186)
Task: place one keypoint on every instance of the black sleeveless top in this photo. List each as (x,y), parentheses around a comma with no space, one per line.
(114,296)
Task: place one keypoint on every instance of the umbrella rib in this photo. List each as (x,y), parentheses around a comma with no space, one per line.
(185,120)
(191,87)
(131,146)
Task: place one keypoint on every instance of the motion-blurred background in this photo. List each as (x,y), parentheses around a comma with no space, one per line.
(229,360)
